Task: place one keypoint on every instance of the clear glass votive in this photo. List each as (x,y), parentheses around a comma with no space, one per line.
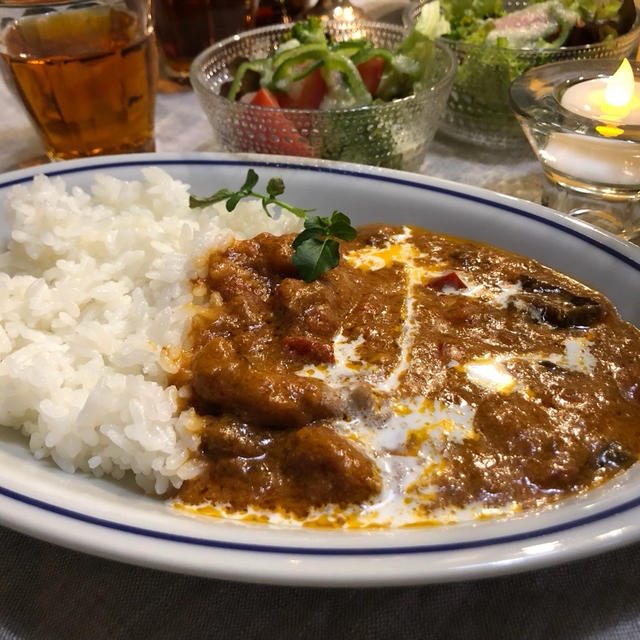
(591,163)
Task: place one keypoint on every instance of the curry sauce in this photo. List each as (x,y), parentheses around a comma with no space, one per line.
(436,371)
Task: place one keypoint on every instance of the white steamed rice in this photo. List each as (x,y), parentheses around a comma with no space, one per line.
(95,290)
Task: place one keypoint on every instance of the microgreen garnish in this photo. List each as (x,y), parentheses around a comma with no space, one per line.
(275,187)
(316,248)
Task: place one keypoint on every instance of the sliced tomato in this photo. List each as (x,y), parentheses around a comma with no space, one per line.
(371,72)
(307,93)
(282,137)
(264,98)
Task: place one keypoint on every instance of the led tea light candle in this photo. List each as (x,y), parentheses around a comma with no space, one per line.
(582,119)
(616,98)
(612,101)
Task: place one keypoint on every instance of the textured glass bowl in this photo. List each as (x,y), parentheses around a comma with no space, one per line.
(478,107)
(393,134)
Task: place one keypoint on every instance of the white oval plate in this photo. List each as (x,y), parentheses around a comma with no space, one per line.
(114,520)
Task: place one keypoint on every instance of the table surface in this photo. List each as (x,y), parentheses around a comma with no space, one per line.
(51,592)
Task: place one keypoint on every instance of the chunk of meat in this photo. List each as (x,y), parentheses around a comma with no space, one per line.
(614,456)
(307,309)
(376,235)
(513,433)
(249,309)
(327,468)
(514,429)
(227,437)
(276,255)
(460,311)
(231,279)
(252,264)
(225,381)
(558,307)
(467,257)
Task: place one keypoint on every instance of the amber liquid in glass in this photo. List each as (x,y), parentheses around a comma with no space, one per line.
(186,27)
(87,78)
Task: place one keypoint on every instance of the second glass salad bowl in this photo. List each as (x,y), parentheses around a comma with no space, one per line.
(478,108)
(391,134)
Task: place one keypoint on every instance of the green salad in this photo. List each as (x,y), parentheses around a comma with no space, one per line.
(541,24)
(496,47)
(309,70)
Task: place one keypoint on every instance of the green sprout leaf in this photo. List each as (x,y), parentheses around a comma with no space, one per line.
(250,181)
(196,202)
(275,187)
(316,247)
(317,225)
(233,200)
(303,236)
(340,227)
(314,256)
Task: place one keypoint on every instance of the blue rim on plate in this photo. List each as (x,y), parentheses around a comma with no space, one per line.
(328,551)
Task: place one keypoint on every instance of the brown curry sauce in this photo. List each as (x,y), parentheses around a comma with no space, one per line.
(269,439)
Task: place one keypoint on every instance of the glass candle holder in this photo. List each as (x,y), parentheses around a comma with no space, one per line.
(590,157)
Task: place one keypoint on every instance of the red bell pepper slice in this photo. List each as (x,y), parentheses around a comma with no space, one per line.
(448,280)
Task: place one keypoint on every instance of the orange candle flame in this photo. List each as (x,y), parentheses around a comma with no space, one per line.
(620,87)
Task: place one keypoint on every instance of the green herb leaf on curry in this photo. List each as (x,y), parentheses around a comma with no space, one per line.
(316,247)
(314,256)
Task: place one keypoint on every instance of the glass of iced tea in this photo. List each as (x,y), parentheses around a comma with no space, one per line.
(85,71)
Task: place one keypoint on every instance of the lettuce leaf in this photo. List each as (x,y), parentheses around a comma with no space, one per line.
(411,65)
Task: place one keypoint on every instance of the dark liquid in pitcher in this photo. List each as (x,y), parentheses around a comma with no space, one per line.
(264,12)
(184,28)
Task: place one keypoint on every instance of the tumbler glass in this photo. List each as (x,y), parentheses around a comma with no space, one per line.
(84,71)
